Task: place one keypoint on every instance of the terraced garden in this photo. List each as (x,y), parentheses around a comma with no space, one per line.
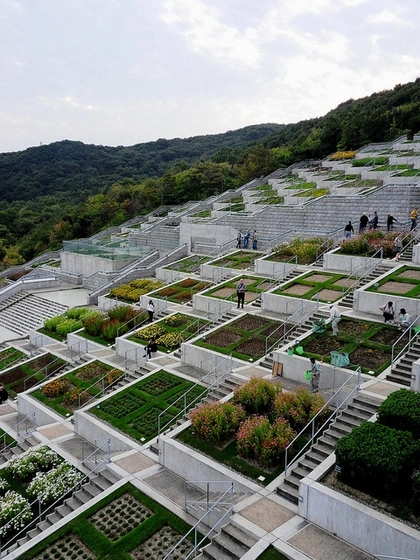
(181,292)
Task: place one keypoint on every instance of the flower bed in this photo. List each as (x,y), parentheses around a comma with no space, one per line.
(170,331)
(368,243)
(132,291)
(135,410)
(127,523)
(304,249)
(30,373)
(367,344)
(182,291)
(240,260)
(189,264)
(66,394)
(9,356)
(244,338)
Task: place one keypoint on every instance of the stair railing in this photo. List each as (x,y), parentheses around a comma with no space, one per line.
(44,371)
(29,423)
(9,365)
(213,509)
(197,331)
(37,504)
(409,239)
(134,324)
(102,383)
(131,356)
(382,557)
(220,307)
(311,426)
(367,266)
(412,336)
(186,404)
(305,310)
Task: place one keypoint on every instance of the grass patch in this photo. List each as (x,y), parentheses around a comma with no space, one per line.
(182,291)
(9,356)
(402,282)
(363,162)
(240,260)
(255,286)
(326,285)
(272,554)
(189,264)
(135,410)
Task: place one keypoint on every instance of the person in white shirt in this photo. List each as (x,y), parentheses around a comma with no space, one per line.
(403,320)
(388,312)
(335,318)
(150,308)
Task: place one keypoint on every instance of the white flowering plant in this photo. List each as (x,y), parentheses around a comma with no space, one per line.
(15,512)
(4,485)
(56,483)
(32,461)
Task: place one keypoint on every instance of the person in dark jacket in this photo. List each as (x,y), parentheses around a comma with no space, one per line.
(348,230)
(4,395)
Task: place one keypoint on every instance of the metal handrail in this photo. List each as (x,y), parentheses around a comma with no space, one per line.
(102,391)
(38,503)
(183,397)
(194,529)
(411,338)
(11,364)
(382,557)
(130,321)
(375,261)
(301,313)
(311,424)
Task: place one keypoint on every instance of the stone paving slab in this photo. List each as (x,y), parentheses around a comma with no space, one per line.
(267,514)
(320,545)
(135,463)
(58,430)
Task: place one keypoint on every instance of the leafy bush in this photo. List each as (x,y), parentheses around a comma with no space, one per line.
(67,326)
(73,397)
(54,484)
(416,491)
(93,323)
(378,459)
(256,396)
(265,442)
(14,512)
(120,312)
(401,410)
(113,328)
(133,290)
(306,250)
(32,461)
(152,331)
(217,422)
(298,408)
(175,320)
(70,321)
(369,243)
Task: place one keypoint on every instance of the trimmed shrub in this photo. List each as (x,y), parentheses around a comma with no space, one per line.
(257,396)
(378,459)
(217,422)
(299,408)
(265,442)
(401,410)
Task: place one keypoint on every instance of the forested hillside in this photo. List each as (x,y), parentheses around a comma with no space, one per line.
(68,189)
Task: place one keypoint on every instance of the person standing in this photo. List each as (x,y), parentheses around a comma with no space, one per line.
(239,239)
(375,220)
(254,240)
(246,239)
(4,395)
(240,292)
(363,222)
(414,214)
(348,230)
(315,375)
(390,222)
(388,312)
(335,318)
(150,308)
(397,247)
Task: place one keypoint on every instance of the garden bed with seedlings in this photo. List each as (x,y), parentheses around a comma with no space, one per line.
(125,524)
(73,390)
(241,260)
(135,410)
(305,250)
(9,356)
(182,291)
(188,265)
(367,344)
(246,338)
(403,281)
(327,287)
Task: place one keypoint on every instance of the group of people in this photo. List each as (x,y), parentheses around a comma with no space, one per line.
(242,241)
(403,320)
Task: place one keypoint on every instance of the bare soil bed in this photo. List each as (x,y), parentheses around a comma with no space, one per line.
(396,287)
(368,358)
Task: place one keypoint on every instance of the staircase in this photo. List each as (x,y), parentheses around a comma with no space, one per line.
(401,372)
(362,408)
(348,299)
(230,543)
(18,449)
(292,274)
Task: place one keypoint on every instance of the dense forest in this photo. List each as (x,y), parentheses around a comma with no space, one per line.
(68,190)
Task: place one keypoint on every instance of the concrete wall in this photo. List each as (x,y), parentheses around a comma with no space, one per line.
(355,523)
(207,360)
(26,404)
(86,265)
(80,344)
(286,305)
(212,306)
(28,284)
(351,264)
(96,431)
(214,233)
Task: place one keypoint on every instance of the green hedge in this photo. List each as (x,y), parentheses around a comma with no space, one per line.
(401,410)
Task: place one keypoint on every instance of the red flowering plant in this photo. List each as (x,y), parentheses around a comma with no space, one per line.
(298,408)
(217,422)
(256,396)
(262,441)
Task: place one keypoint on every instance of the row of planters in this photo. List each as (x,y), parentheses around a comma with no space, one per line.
(246,338)
(76,388)
(131,292)
(369,242)
(30,373)
(327,287)
(125,524)
(365,344)
(135,411)
(383,458)
(102,327)
(404,281)
(30,482)
(240,260)
(181,292)
(251,431)
(171,331)
(306,250)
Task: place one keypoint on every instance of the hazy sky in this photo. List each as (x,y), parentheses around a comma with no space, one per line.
(121,72)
